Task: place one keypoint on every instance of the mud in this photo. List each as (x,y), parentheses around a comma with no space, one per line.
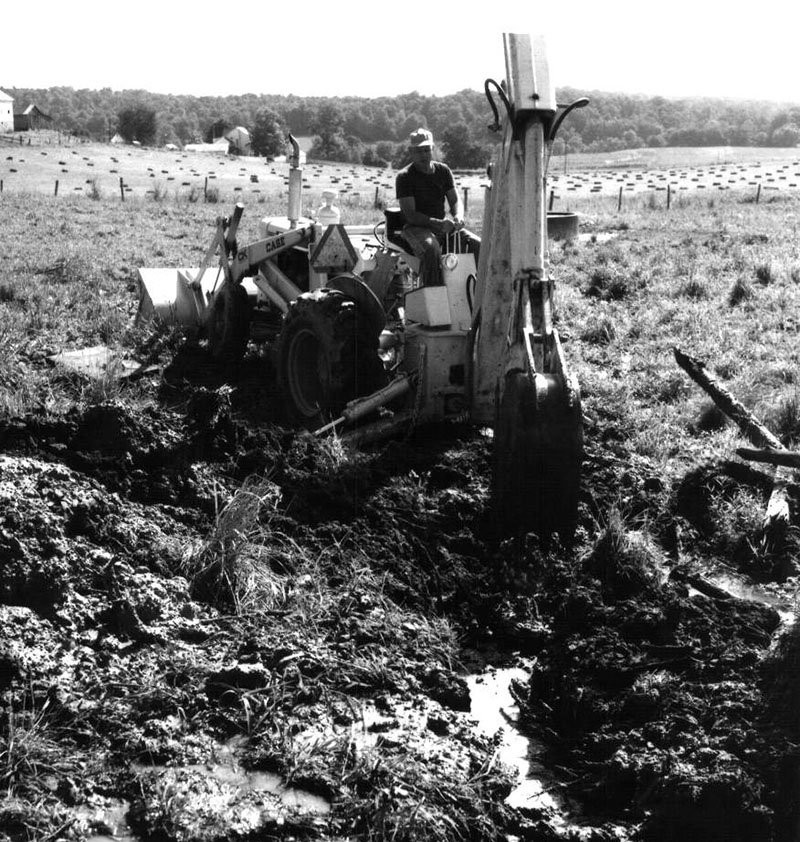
(215,627)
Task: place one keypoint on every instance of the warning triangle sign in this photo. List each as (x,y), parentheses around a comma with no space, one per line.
(334,252)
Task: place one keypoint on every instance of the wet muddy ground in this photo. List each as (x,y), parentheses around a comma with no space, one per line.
(215,627)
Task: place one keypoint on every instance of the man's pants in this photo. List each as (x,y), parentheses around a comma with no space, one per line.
(427,248)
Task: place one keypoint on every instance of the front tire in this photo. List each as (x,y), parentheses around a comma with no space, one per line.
(327,356)
(228,326)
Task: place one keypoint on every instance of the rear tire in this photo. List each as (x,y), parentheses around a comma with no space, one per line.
(538,450)
(228,324)
(327,356)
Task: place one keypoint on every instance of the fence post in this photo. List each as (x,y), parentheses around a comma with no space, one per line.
(669,194)
(205,190)
(552,197)
(121,188)
(1,185)
(466,200)
(758,193)
(619,201)
(375,203)
(56,191)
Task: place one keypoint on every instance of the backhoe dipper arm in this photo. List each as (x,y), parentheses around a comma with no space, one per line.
(513,293)
(533,102)
(536,418)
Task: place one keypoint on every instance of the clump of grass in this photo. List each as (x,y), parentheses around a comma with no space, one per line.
(28,751)
(694,288)
(711,418)
(106,387)
(727,367)
(69,269)
(742,290)
(672,389)
(752,238)
(737,517)
(158,192)
(783,418)
(764,273)
(607,283)
(225,569)
(623,560)
(602,331)
(651,202)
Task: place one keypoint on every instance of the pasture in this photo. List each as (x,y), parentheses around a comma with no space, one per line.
(129,173)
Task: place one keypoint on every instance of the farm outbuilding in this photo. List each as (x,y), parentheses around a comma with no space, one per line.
(6,112)
(239,139)
(220,145)
(31,119)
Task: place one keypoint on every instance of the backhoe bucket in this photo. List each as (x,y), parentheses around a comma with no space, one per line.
(171,296)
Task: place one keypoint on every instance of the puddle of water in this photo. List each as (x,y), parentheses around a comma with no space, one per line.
(227,770)
(736,586)
(785,604)
(493,708)
(291,797)
(112,818)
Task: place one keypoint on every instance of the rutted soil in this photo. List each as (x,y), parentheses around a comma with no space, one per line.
(189,587)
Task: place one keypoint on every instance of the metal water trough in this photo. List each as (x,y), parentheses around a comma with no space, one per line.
(562,225)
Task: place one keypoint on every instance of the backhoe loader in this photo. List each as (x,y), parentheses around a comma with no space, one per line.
(360,349)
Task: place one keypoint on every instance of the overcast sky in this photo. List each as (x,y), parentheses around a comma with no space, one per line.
(385,48)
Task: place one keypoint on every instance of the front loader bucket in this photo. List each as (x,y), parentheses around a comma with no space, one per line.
(171,296)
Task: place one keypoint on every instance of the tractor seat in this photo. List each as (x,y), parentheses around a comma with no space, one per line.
(394,229)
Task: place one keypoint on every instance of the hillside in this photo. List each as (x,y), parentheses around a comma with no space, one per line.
(613,121)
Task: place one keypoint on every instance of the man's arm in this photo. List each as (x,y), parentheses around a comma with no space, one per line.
(454,203)
(413,217)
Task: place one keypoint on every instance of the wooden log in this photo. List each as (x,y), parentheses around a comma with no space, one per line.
(787,458)
(776,518)
(750,426)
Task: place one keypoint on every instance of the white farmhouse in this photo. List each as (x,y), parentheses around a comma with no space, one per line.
(6,112)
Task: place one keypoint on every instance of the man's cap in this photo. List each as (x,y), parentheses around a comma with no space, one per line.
(420,137)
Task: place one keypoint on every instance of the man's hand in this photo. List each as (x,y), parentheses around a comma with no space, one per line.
(448,226)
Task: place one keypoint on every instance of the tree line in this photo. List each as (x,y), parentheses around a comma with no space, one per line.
(373,131)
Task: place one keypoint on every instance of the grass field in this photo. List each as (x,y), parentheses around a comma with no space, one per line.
(104,170)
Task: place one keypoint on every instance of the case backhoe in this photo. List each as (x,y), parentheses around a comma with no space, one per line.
(361,351)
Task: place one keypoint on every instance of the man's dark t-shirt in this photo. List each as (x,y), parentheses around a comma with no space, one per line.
(427,189)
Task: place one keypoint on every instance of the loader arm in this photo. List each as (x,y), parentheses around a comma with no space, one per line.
(248,259)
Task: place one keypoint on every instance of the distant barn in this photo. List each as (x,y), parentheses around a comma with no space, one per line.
(6,112)
(239,139)
(31,119)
